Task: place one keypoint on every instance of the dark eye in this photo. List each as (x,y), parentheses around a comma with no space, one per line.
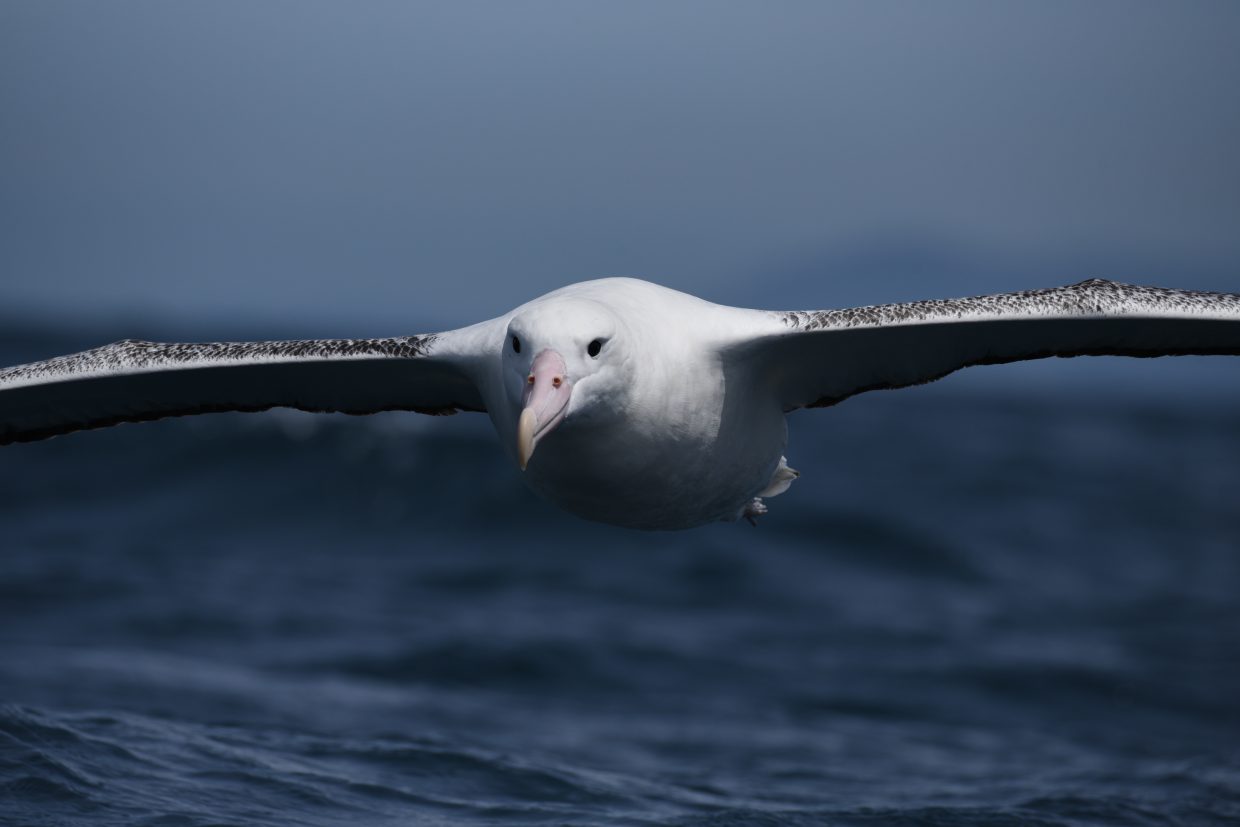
(516,345)
(594,347)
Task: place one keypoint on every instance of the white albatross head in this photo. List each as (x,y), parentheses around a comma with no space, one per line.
(563,359)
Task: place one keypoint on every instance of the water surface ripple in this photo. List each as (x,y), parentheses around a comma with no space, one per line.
(1019,609)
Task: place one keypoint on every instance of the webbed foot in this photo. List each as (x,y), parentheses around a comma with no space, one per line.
(754,510)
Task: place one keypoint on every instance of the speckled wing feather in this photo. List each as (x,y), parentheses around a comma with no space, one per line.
(132,381)
(819,358)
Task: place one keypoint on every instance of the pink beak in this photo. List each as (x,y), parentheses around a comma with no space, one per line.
(547,389)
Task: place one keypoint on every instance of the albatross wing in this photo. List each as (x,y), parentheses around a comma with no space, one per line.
(131,381)
(819,358)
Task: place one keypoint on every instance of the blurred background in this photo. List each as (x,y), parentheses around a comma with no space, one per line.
(1009,597)
(409,166)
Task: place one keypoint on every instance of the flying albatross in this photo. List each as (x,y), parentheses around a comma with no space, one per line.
(624,401)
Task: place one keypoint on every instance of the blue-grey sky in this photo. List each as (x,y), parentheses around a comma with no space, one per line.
(379,167)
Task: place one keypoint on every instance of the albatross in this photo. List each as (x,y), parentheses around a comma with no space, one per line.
(623,401)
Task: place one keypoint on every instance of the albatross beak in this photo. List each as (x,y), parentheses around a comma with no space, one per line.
(544,402)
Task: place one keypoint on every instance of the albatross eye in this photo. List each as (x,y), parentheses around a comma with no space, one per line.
(516,345)
(593,348)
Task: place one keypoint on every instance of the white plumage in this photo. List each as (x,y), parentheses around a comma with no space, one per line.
(625,402)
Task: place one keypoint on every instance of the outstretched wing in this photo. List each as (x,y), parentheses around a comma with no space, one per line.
(133,381)
(819,358)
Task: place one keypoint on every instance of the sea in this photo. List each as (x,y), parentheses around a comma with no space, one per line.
(982,603)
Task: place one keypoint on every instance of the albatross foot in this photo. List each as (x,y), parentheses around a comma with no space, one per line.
(754,510)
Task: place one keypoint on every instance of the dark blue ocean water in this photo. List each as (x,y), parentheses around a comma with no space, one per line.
(974,608)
